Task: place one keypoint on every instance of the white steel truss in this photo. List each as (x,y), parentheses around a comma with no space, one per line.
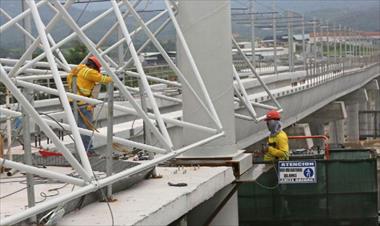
(242,95)
(13,75)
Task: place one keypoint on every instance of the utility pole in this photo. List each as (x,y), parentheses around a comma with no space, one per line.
(340,41)
(315,43)
(335,52)
(303,43)
(352,53)
(253,35)
(328,45)
(290,43)
(274,37)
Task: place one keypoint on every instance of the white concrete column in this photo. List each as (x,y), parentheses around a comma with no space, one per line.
(354,102)
(336,131)
(376,96)
(302,129)
(363,118)
(317,128)
(207,28)
(373,94)
(334,114)
(352,125)
(229,214)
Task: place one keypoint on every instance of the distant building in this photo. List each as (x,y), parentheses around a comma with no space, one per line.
(155,58)
(366,37)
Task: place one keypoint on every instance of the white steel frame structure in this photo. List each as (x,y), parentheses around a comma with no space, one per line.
(242,95)
(12,75)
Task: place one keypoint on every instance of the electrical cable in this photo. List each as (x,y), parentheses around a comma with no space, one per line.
(45,196)
(5,196)
(58,123)
(107,201)
(269,187)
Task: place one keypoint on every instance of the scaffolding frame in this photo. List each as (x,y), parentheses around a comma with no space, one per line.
(12,75)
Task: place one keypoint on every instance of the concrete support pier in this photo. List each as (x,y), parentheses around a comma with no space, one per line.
(212,55)
(210,20)
(373,95)
(332,114)
(353,102)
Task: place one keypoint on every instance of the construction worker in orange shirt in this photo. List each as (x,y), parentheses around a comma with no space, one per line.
(87,77)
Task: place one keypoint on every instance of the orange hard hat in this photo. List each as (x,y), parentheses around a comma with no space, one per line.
(96,62)
(273,115)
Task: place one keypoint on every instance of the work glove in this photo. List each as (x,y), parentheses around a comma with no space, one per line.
(108,79)
(90,108)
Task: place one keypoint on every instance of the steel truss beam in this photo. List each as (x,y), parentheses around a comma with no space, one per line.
(243,96)
(12,75)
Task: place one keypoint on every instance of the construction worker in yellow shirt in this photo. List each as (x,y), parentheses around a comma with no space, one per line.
(87,76)
(277,147)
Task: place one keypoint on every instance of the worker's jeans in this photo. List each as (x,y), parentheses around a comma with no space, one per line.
(88,114)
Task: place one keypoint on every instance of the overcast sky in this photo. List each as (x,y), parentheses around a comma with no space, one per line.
(261,5)
(297,5)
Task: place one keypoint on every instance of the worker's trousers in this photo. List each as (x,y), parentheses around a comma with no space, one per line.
(88,114)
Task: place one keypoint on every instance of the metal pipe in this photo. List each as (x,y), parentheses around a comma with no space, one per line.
(119,140)
(74,87)
(17,69)
(176,100)
(109,138)
(48,204)
(28,149)
(116,80)
(41,172)
(140,70)
(117,107)
(155,79)
(194,67)
(37,77)
(9,125)
(245,99)
(47,130)
(257,76)
(110,31)
(19,17)
(17,25)
(158,30)
(58,82)
(156,43)
(120,41)
(68,38)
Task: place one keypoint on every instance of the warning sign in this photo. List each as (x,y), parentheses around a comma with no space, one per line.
(297,172)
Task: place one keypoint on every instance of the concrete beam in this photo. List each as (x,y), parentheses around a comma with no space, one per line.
(359,96)
(336,132)
(355,102)
(300,130)
(372,85)
(334,111)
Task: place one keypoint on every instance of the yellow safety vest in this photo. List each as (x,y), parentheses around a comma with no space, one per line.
(86,80)
(278,147)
